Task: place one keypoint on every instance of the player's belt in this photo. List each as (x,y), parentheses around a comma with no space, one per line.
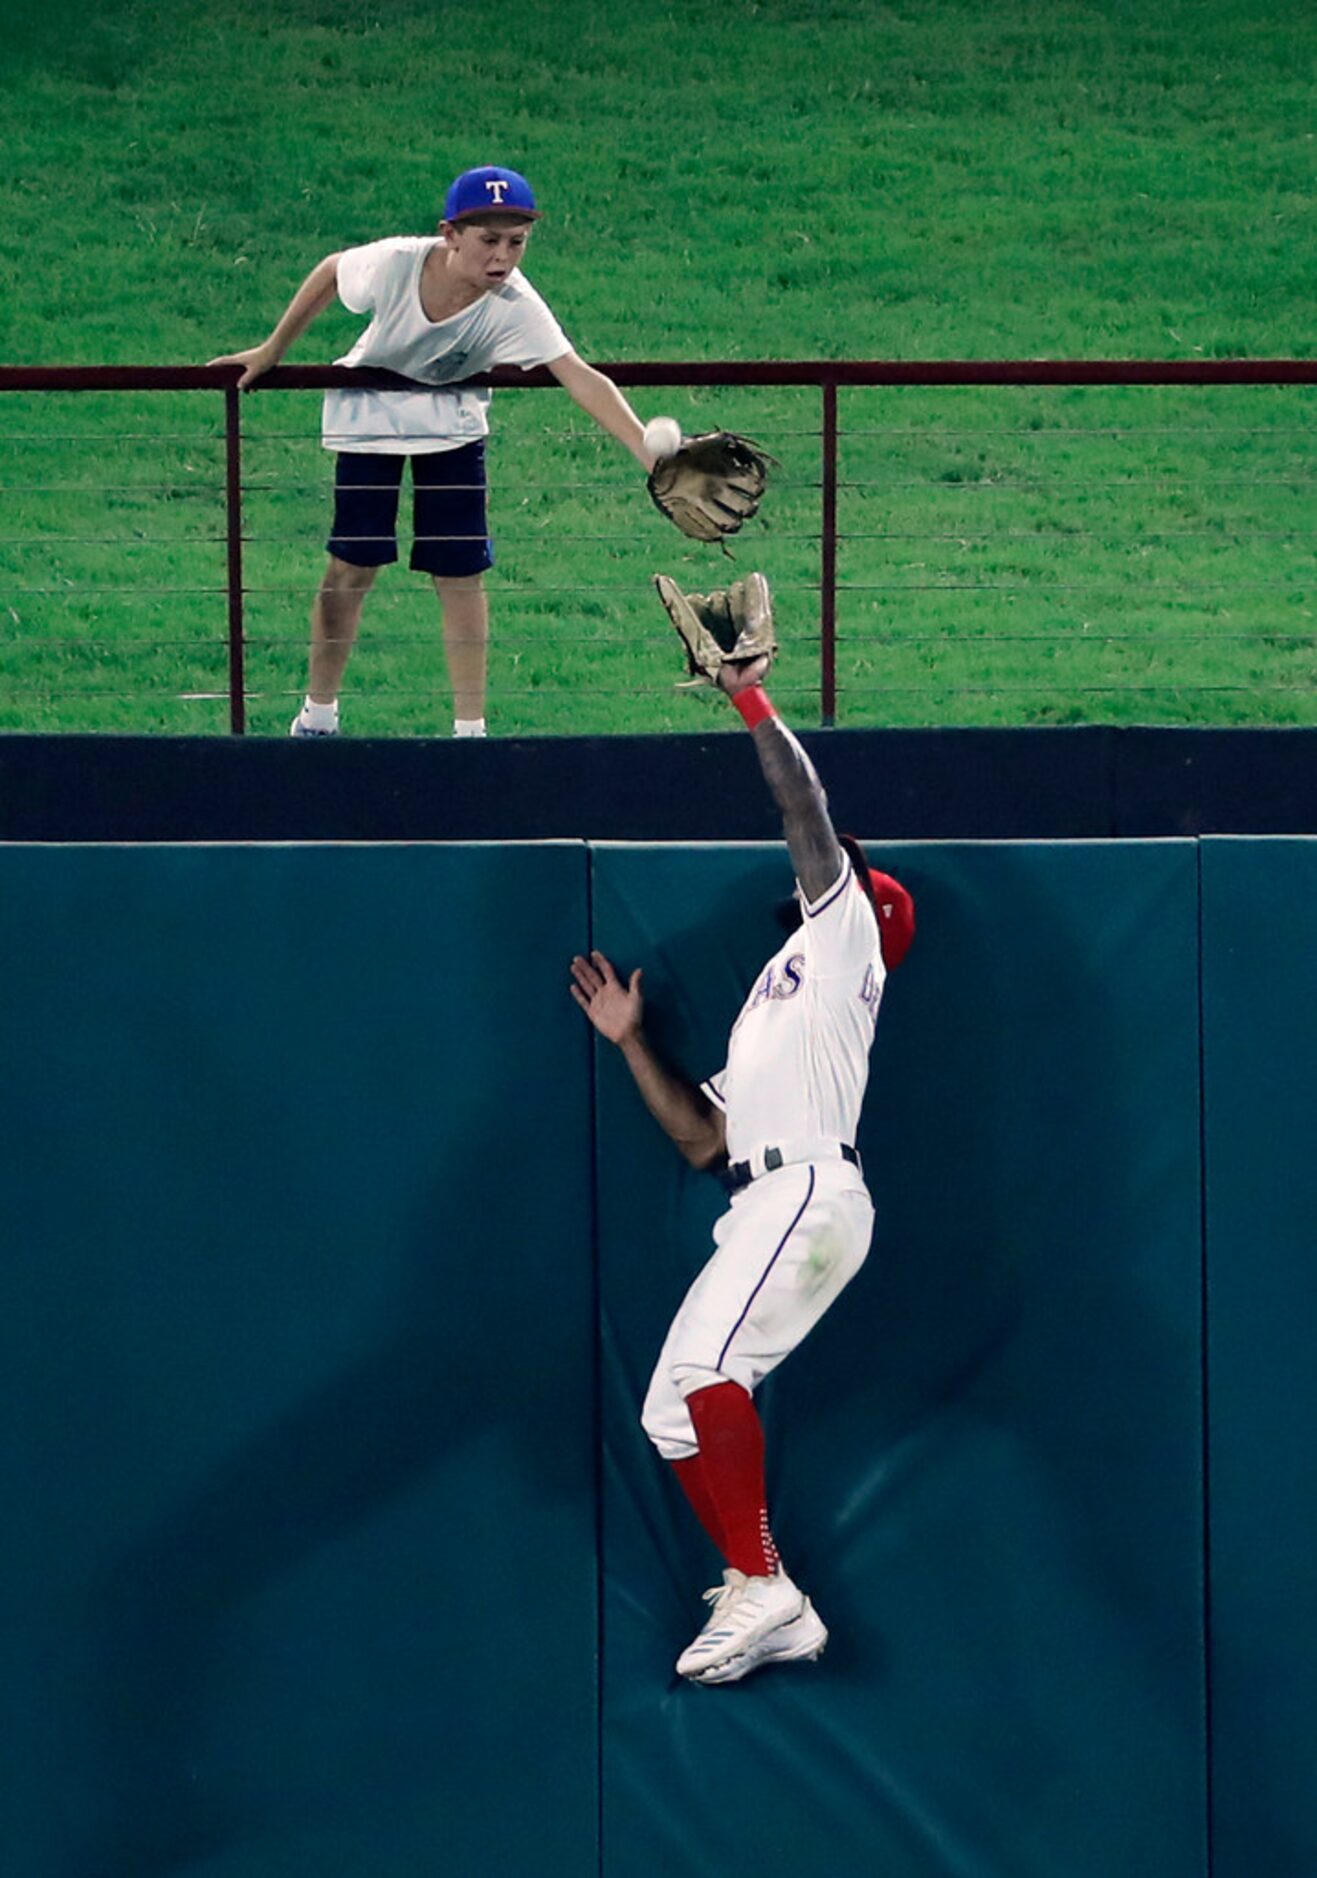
(767,1160)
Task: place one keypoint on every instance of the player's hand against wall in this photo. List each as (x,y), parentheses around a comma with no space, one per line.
(615,1009)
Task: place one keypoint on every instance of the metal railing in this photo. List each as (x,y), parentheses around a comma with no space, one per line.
(827,376)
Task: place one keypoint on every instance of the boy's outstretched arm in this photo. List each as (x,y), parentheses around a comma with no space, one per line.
(316,292)
(600,399)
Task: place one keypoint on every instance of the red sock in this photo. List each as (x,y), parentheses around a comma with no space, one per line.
(731,1439)
(690,1477)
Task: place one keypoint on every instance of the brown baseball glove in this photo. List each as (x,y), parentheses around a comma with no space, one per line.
(713,484)
(724,628)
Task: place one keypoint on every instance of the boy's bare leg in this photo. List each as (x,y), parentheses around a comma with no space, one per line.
(466,640)
(335,616)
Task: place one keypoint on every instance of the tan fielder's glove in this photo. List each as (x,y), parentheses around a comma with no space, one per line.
(713,484)
(729,627)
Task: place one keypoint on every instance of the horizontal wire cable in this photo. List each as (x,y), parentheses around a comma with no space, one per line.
(73,591)
(1223,535)
(1040,589)
(1045,588)
(505,445)
(310,440)
(570,694)
(1028,433)
(217,646)
(932,486)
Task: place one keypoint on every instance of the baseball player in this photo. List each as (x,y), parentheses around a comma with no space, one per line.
(443,308)
(779,1121)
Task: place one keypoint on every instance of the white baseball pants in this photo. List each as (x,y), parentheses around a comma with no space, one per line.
(787,1246)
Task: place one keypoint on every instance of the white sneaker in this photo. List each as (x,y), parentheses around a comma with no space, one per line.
(742,1615)
(800,1640)
(302,727)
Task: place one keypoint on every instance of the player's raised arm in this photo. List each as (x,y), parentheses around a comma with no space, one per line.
(730,642)
(815,851)
(617,1011)
(316,292)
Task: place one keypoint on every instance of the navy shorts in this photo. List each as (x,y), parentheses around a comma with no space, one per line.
(450,529)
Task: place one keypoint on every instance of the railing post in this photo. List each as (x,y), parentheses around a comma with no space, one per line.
(233,522)
(828,568)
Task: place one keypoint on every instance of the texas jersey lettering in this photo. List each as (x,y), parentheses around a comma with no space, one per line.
(798,1056)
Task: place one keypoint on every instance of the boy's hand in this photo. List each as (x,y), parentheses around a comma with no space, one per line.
(255,361)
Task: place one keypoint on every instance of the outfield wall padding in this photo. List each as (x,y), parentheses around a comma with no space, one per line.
(985,1463)
(1260,1065)
(335,1262)
(297,1364)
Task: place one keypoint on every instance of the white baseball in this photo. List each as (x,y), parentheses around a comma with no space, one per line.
(663,436)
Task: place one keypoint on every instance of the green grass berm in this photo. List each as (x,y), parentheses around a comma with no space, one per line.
(753,180)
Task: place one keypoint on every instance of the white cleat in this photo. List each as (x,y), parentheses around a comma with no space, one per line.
(743,1614)
(800,1640)
(722,1597)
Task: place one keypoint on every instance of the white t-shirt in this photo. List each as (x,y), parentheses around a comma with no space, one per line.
(798,1056)
(511,325)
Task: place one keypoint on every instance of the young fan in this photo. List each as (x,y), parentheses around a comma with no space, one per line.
(442,308)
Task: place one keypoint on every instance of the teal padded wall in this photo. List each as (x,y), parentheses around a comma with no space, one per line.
(297,1364)
(1260,1076)
(300,1227)
(986,1463)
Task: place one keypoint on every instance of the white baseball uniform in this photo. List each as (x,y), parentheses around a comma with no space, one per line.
(510,325)
(792,1089)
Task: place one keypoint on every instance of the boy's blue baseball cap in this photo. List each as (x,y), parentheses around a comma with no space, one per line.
(489,191)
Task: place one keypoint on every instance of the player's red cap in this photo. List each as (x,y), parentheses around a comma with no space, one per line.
(896,916)
(891,902)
